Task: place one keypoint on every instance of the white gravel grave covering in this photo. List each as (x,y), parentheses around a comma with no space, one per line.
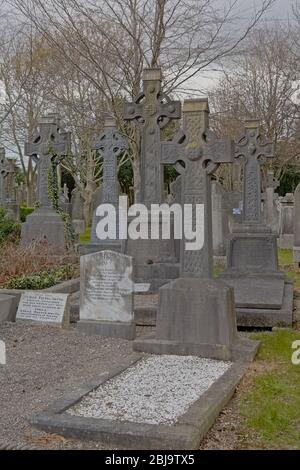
(155,390)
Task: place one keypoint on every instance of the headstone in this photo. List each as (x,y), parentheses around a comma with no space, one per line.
(196,314)
(271,214)
(77,203)
(106,295)
(286,221)
(263,297)
(43,307)
(45,224)
(220,228)
(297,225)
(110,145)
(189,147)
(5,170)
(151,111)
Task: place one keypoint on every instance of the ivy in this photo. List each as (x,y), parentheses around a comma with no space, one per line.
(53,191)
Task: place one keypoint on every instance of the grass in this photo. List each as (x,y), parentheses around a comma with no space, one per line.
(285,257)
(271,407)
(86,236)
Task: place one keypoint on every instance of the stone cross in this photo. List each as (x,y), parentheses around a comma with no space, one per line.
(253,150)
(50,141)
(201,153)
(5,169)
(110,144)
(152,110)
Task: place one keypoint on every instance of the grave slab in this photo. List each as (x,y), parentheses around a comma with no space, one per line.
(185,433)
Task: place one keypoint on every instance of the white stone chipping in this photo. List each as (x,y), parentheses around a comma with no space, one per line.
(155,390)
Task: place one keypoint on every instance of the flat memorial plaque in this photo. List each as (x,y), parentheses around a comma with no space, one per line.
(44,307)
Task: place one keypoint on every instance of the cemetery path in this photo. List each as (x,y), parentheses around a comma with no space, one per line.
(42,363)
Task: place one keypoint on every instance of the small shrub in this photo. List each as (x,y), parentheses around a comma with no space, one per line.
(42,280)
(18,261)
(9,229)
(24,212)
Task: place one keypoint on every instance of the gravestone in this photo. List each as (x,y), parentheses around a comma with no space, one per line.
(106,295)
(297,225)
(77,213)
(151,111)
(196,314)
(45,224)
(5,170)
(263,297)
(286,221)
(220,228)
(110,145)
(64,201)
(271,214)
(42,307)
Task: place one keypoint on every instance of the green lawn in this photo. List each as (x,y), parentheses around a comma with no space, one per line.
(271,407)
(285,257)
(85,237)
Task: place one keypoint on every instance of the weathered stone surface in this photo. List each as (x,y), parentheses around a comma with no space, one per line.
(106,293)
(196,315)
(110,145)
(5,170)
(252,252)
(6,305)
(45,224)
(286,221)
(251,148)
(297,225)
(252,260)
(153,109)
(271,213)
(220,228)
(44,307)
(201,152)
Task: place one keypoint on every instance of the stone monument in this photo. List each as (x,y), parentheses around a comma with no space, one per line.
(286,221)
(45,224)
(155,259)
(263,297)
(220,228)
(196,314)
(106,295)
(297,226)
(110,145)
(271,215)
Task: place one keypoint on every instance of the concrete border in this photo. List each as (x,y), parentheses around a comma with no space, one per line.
(186,433)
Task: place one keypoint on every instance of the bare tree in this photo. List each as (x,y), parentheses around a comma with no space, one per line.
(260,81)
(110,41)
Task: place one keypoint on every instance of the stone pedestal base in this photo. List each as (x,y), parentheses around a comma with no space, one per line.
(44,225)
(263,297)
(197,317)
(286,241)
(108,329)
